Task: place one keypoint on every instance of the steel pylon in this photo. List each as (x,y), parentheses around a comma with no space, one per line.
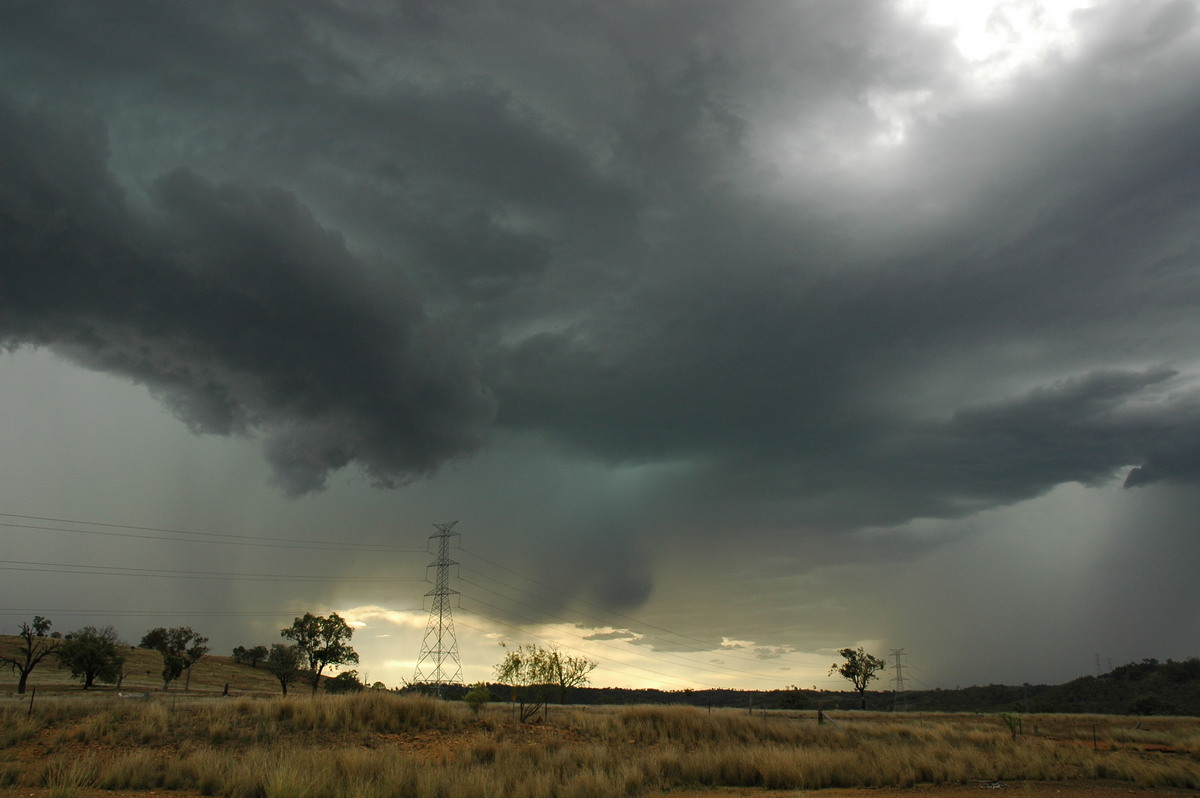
(438,663)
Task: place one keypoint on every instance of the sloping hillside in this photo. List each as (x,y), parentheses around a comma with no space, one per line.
(142,673)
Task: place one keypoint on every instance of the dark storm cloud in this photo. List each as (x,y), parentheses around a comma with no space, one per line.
(233,305)
(591,193)
(1058,260)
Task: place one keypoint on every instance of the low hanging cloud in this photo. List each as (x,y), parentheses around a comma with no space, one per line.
(234,306)
(675,247)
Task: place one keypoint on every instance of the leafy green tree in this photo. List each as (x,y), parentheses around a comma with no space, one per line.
(283,662)
(36,645)
(92,654)
(180,647)
(322,642)
(529,671)
(859,668)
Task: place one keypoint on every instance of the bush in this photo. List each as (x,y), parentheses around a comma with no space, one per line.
(478,696)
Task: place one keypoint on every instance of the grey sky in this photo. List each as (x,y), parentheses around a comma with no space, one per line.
(752,330)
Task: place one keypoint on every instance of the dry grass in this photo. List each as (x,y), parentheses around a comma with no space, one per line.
(212,674)
(378,744)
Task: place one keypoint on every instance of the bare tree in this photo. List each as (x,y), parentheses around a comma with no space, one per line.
(36,645)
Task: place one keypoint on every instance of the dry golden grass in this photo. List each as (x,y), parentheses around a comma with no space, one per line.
(379,744)
(142,668)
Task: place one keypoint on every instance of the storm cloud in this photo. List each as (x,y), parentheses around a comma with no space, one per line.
(666,292)
(234,307)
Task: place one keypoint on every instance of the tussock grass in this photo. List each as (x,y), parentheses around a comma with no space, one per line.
(378,744)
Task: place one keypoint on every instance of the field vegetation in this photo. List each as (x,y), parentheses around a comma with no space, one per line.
(377,743)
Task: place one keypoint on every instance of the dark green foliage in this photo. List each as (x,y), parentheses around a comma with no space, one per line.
(1148,687)
(256,655)
(478,697)
(92,654)
(283,662)
(322,642)
(793,698)
(1151,705)
(344,682)
(250,656)
(181,648)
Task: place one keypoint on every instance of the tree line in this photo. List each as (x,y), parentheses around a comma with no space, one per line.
(319,642)
(95,654)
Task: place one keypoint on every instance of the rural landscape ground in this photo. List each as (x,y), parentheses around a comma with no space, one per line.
(59,741)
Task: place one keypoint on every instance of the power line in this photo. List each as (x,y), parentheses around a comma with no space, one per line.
(123,570)
(131,531)
(14,613)
(20,613)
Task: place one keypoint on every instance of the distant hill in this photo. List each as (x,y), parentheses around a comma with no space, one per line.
(1148,687)
(142,668)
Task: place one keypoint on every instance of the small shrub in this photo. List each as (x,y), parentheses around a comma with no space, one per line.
(478,697)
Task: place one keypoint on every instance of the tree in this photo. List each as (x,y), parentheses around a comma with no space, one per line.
(345,682)
(92,654)
(322,642)
(283,662)
(250,656)
(528,670)
(568,671)
(36,645)
(860,668)
(181,648)
(256,655)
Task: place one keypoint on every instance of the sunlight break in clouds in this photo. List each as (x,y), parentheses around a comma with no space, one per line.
(998,39)
(995,42)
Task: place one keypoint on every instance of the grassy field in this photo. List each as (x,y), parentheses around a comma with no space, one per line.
(142,668)
(255,744)
(380,744)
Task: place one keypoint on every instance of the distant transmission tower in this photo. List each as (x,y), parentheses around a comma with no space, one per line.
(438,664)
(898,680)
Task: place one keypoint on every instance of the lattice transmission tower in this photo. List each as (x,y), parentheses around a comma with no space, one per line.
(898,680)
(438,664)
